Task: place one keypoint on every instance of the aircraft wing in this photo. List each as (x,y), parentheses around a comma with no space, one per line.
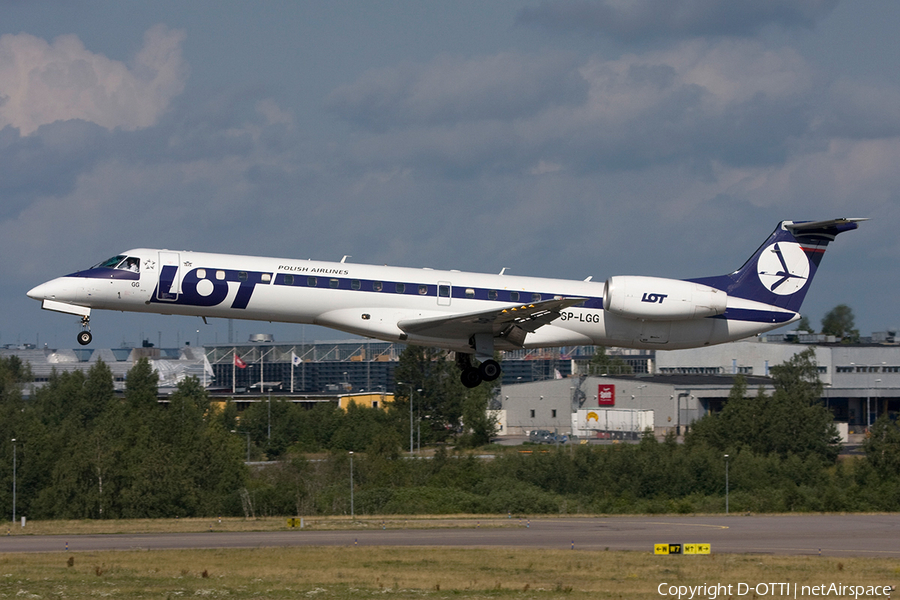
(512,321)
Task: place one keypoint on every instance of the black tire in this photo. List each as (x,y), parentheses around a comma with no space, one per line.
(489,370)
(84,338)
(470,377)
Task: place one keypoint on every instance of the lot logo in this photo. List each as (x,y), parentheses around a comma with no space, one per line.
(654,298)
(783,268)
(606,395)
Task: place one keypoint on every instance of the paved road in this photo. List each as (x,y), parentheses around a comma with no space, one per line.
(830,535)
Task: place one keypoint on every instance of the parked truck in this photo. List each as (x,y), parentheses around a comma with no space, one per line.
(611,423)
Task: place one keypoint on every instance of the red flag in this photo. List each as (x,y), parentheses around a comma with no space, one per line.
(239,363)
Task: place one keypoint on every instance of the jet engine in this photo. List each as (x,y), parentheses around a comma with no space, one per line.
(658,299)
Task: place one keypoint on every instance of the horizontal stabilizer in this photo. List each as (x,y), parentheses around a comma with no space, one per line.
(828,229)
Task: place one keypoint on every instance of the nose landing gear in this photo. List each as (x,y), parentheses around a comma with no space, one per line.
(85,337)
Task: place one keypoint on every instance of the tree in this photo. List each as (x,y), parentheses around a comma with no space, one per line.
(444,406)
(480,425)
(13,422)
(437,408)
(604,364)
(839,322)
(882,446)
(803,325)
(142,384)
(790,421)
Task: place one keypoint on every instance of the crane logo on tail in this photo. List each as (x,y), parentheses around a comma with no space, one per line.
(783,268)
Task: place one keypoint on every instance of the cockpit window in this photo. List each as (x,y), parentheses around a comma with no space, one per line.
(131,264)
(110,263)
(126,263)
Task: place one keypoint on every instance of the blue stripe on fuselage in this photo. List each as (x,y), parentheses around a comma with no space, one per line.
(460,292)
(755,315)
(106,273)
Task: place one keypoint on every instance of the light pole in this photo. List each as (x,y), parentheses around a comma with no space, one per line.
(419,424)
(726,484)
(352,511)
(412,398)
(14,479)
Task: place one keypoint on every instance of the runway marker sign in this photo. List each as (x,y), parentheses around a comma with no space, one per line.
(681,548)
(696,548)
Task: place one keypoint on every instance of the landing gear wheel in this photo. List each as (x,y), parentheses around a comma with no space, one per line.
(84,338)
(470,377)
(489,370)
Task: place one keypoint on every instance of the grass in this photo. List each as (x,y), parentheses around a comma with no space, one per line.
(327,573)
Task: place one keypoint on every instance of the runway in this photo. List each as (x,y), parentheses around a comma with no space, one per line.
(828,535)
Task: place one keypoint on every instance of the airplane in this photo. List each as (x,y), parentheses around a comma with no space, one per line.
(471,314)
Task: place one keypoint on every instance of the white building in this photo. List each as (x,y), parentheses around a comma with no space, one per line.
(862,381)
(676,400)
(856,376)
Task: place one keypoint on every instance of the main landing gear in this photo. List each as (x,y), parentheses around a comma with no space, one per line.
(85,337)
(472,376)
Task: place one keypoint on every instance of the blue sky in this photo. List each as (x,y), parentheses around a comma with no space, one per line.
(555,138)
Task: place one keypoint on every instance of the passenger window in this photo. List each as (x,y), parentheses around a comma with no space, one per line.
(492,295)
(201,273)
(423,290)
(242,276)
(266,277)
(470,293)
(355,284)
(220,275)
(377,286)
(444,291)
(311,281)
(514,296)
(400,288)
(334,283)
(535,297)
(288,279)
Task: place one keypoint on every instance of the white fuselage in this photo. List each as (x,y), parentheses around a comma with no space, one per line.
(373,300)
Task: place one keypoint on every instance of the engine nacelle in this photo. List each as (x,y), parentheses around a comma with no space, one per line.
(657,299)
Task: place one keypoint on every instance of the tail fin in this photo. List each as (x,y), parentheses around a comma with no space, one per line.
(780,272)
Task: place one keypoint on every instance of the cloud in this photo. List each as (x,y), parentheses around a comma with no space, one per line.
(637,20)
(41,82)
(450,90)
(732,101)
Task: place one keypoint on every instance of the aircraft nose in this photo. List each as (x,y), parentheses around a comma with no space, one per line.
(38,292)
(47,291)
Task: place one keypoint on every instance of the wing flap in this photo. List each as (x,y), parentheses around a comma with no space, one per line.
(497,321)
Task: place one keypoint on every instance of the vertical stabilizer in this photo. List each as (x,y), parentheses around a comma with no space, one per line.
(780,272)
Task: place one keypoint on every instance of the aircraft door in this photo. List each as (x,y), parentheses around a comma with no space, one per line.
(169,278)
(444,293)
